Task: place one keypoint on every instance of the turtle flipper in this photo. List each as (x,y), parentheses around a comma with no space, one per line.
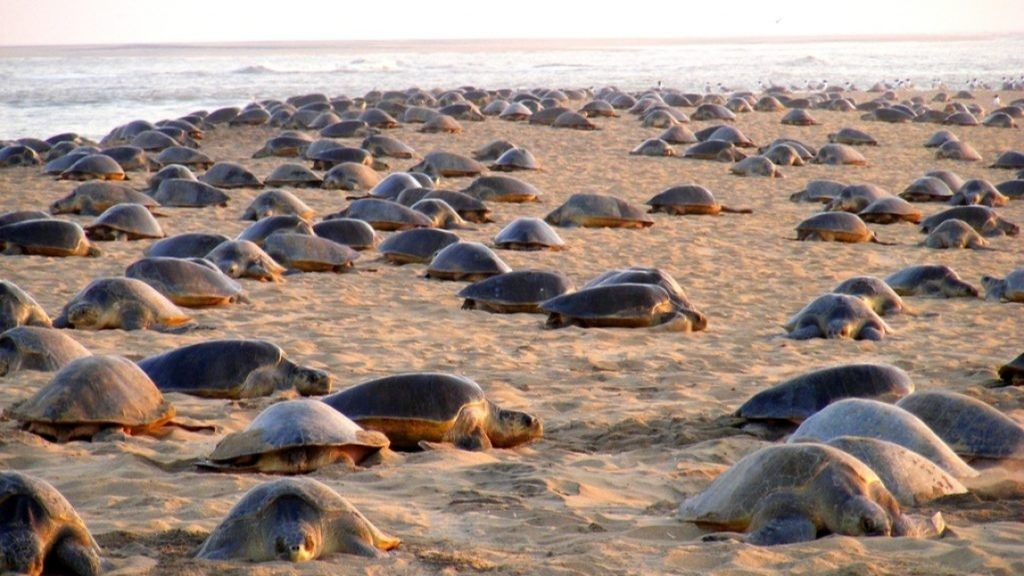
(473,439)
(352,544)
(870,333)
(783,530)
(76,557)
(805,332)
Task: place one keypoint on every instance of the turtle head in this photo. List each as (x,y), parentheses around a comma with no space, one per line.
(994,287)
(297,542)
(82,315)
(860,516)
(310,381)
(510,427)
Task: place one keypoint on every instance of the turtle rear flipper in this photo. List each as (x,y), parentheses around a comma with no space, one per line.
(75,557)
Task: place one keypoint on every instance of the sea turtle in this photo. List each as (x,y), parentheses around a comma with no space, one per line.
(351,176)
(999,120)
(835,227)
(875,419)
(653,147)
(348,129)
(356,234)
(654,277)
(92,198)
(598,211)
(17,308)
(18,155)
(799,117)
(573,120)
(153,141)
(792,493)
(852,137)
(689,199)
(230,175)
(46,237)
(515,159)
(95,394)
(972,428)
(1012,188)
(856,197)
(293,175)
(295,437)
(391,186)
(678,134)
(839,154)
(890,210)
(124,222)
(514,292)
(15,216)
(188,245)
(927,189)
(935,280)
(415,246)
(978,191)
(806,152)
(956,150)
(295,519)
(598,109)
(309,253)
(1010,288)
(232,369)
(378,118)
(1010,160)
(709,111)
(245,259)
(184,156)
(467,207)
(939,138)
(430,407)
(911,478)
(983,219)
(837,316)
(186,282)
(441,124)
(386,146)
(515,112)
(185,193)
(287,145)
(626,305)
(716,150)
(783,155)
(755,166)
(769,103)
(955,233)
(384,214)
(170,171)
(878,295)
(94,167)
(37,348)
(888,114)
(465,261)
(274,202)
(39,528)
(823,191)
(120,303)
(492,150)
(658,118)
(963,118)
(448,164)
(796,399)
(544,116)
(502,189)
(258,231)
(327,158)
(528,234)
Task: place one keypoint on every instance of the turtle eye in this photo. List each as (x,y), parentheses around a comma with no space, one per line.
(869,526)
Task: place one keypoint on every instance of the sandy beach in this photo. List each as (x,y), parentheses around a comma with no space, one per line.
(635,420)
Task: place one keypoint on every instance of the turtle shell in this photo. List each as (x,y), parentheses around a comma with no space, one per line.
(295,175)
(129,221)
(598,210)
(834,226)
(185,193)
(103,391)
(216,368)
(259,231)
(47,237)
(273,202)
(114,294)
(94,166)
(17,308)
(470,261)
(518,291)
(356,234)
(37,348)
(408,407)
(416,246)
(528,234)
(615,305)
(309,253)
(230,175)
(92,198)
(188,245)
(385,214)
(502,189)
(191,283)
(972,428)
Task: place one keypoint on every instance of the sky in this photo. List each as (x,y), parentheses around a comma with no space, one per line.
(54,22)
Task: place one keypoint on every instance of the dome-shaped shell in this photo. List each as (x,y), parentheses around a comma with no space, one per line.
(528,234)
(230,175)
(434,397)
(295,175)
(515,159)
(834,226)
(188,245)
(92,198)
(972,428)
(469,261)
(130,221)
(274,202)
(502,189)
(309,253)
(37,348)
(517,291)
(598,211)
(356,234)
(385,214)
(259,231)
(416,246)
(94,166)
(189,283)
(46,237)
(186,193)
(102,390)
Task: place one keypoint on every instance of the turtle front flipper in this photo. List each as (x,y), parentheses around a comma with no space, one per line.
(805,332)
(21,552)
(75,557)
(469,431)
(780,519)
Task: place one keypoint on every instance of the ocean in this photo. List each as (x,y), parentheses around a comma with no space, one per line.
(90,90)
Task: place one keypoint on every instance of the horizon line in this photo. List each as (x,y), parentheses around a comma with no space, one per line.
(383,43)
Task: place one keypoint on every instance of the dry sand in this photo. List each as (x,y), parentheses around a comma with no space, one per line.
(635,420)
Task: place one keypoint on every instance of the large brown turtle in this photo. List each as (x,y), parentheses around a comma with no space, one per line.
(416,408)
(191,282)
(356,234)
(232,369)
(121,303)
(622,305)
(598,211)
(936,280)
(124,222)
(46,237)
(983,219)
(927,189)
(957,150)
(515,292)
(835,227)
(92,198)
(528,234)
(95,394)
(309,253)
(502,189)
(294,519)
(794,493)
(245,259)
(1009,289)
(17,308)
(955,233)
(94,167)
(449,165)
(875,292)
(274,202)
(465,261)
(293,175)
(418,245)
(186,193)
(259,231)
(839,154)
(230,175)
(837,316)
(889,210)
(874,419)
(295,437)
(40,530)
(37,348)
(972,428)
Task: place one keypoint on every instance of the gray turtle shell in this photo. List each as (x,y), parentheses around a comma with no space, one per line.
(185,193)
(351,232)
(798,398)
(928,279)
(879,295)
(273,202)
(428,396)
(98,166)
(16,216)
(466,260)
(92,198)
(416,245)
(259,231)
(37,348)
(874,419)
(626,301)
(386,146)
(528,234)
(823,191)
(17,308)
(230,175)
(502,189)
(521,288)
(116,293)
(134,221)
(295,175)
(184,156)
(47,237)
(972,428)
(839,154)
(653,147)
(493,150)
(448,164)
(212,368)
(843,223)
(385,214)
(598,210)
(927,189)
(170,171)
(309,253)
(515,159)
(188,245)
(185,282)
(392,185)
(351,176)
(983,219)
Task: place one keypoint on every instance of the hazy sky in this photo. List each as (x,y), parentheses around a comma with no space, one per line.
(163,21)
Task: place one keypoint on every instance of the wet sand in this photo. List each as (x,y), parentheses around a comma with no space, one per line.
(635,420)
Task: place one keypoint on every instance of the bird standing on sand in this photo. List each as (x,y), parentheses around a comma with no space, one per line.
(996,101)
